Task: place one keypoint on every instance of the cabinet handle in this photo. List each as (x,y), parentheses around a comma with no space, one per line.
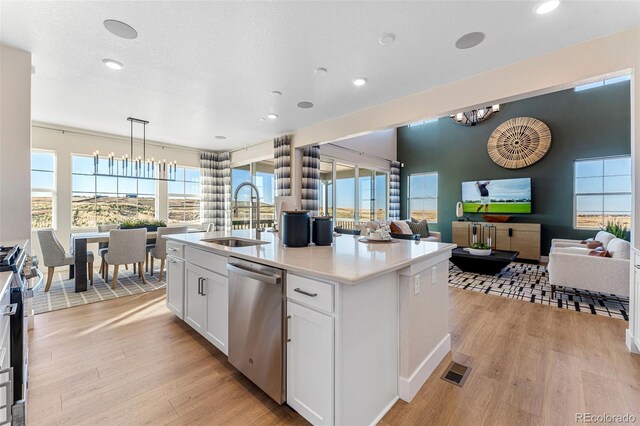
(202,292)
(288,338)
(306,293)
(171,260)
(200,286)
(173,249)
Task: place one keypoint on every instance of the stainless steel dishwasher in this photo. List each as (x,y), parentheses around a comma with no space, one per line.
(256,325)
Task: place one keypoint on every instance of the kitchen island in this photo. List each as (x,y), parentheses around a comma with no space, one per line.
(366,323)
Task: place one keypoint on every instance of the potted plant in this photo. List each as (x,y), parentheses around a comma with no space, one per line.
(151,225)
(615,228)
(479,249)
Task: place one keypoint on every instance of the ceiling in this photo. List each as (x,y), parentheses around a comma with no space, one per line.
(203,69)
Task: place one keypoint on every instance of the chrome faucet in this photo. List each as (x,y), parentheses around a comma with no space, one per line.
(235,202)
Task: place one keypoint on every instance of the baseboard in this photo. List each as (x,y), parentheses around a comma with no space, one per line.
(408,388)
(544,259)
(633,343)
(385,411)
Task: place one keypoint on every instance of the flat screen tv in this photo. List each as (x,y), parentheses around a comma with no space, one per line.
(497,196)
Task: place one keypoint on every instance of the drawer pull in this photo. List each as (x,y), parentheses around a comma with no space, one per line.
(9,310)
(173,249)
(306,293)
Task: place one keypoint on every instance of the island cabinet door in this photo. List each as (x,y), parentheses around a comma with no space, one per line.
(195,301)
(310,368)
(175,286)
(216,327)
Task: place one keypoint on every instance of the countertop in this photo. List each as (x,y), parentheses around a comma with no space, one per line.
(347,260)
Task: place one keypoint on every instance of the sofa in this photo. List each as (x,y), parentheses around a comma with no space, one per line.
(376,224)
(572,266)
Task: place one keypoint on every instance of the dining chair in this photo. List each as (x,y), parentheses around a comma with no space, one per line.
(103,247)
(160,250)
(53,255)
(126,246)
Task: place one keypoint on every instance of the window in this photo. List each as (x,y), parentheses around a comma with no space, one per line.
(184,196)
(423,196)
(602,191)
(43,188)
(261,175)
(602,83)
(98,200)
(352,200)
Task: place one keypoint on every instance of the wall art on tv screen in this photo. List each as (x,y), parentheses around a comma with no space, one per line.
(497,196)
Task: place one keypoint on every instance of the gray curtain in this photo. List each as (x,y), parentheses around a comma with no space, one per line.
(282,167)
(394,191)
(310,178)
(215,172)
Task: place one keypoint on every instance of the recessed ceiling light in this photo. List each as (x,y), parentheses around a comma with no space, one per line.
(305,104)
(276,93)
(114,65)
(261,119)
(220,137)
(120,29)
(360,81)
(272,116)
(547,6)
(387,38)
(470,40)
(321,71)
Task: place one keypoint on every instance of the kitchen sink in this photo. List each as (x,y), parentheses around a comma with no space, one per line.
(234,242)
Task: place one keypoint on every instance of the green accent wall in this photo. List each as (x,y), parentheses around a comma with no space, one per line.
(584,124)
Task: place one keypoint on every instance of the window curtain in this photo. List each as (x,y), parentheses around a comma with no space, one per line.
(394,191)
(215,172)
(310,178)
(282,167)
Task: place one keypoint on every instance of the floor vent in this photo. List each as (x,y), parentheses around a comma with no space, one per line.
(456,374)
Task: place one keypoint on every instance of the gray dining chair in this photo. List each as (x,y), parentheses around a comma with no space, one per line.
(104,247)
(126,246)
(160,249)
(54,256)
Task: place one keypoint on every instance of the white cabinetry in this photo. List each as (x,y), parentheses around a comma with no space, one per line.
(175,285)
(310,369)
(206,304)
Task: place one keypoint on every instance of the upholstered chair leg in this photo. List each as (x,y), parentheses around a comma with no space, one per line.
(144,281)
(161,268)
(101,266)
(115,276)
(151,265)
(90,272)
(126,267)
(135,271)
(49,278)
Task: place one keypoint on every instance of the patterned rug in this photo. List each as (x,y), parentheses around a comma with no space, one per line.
(529,282)
(62,294)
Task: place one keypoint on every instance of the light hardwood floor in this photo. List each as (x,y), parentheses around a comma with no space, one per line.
(129,360)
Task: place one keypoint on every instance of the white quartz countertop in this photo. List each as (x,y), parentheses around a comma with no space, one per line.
(347,260)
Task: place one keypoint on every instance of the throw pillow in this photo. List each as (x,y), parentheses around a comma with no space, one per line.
(400,227)
(588,240)
(421,228)
(594,244)
(599,253)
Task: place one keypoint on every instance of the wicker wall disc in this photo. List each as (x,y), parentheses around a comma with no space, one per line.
(519,142)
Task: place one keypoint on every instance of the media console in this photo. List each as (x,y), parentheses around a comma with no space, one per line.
(521,237)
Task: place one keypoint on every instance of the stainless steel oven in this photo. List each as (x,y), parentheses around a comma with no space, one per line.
(14,325)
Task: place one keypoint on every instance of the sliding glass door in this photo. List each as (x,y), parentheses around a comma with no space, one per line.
(261,175)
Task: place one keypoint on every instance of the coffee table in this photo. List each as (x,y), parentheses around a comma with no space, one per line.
(488,265)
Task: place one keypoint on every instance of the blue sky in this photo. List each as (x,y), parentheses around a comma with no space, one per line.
(501,189)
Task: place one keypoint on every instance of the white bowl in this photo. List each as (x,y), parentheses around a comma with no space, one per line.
(478,252)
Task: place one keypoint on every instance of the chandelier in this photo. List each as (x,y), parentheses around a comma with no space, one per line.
(139,167)
(475,116)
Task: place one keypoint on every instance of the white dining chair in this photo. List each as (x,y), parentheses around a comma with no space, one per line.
(160,249)
(126,246)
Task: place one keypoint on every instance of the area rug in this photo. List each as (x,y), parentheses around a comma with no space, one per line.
(62,294)
(523,281)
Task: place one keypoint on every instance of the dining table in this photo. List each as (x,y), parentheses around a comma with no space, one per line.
(78,244)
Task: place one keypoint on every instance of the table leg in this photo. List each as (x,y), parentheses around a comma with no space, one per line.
(72,273)
(80,252)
